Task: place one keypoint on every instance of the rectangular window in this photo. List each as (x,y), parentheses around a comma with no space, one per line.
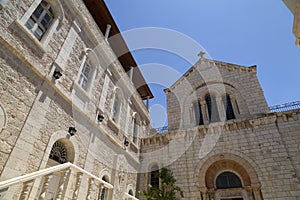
(40,20)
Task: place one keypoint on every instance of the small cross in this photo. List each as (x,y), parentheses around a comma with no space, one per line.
(201,54)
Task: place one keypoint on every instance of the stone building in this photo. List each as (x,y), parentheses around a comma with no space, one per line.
(74,122)
(294,7)
(72,107)
(223,141)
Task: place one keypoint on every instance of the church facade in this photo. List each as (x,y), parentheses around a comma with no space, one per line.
(74,119)
(223,141)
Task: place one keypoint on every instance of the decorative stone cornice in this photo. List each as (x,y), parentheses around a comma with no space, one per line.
(219,127)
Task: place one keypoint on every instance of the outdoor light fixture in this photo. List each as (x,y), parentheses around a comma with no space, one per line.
(100,117)
(57,74)
(72,131)
(126,142)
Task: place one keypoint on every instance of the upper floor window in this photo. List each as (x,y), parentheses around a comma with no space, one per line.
(228,180)
(85,74)
(116,108)
(212,108)
(87,71)
(135,130)
(198,113)
(228,107)
(40,20)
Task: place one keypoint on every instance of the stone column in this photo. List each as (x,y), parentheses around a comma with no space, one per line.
(211,193)
(203,192)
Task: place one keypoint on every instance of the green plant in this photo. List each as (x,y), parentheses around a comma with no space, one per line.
(167,189)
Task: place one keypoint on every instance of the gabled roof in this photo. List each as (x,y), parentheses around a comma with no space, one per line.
(216,63)
(102,17)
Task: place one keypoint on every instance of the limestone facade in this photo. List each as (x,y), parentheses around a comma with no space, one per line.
(260,147)
(37,109)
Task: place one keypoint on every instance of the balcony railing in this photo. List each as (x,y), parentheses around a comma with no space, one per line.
(285,107)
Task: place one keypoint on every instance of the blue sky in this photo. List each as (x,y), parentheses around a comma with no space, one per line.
(256,32)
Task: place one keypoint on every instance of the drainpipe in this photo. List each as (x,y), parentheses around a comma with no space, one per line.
(131,73)
(108,27)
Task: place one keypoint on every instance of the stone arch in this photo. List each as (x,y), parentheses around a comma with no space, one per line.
(203,166)
(214,165)
(130,189)
(106,175)
(3,119)
(70,143)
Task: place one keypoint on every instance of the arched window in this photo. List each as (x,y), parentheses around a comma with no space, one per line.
(116,108)
(104,191)
(198,113)
(130,192)
(87,70)
(85,74)
(40,20)
(154,176)
(228,107)
(58,152)
(212,108)
(228,180)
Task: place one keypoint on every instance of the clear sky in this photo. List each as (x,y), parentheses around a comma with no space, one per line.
(244,32)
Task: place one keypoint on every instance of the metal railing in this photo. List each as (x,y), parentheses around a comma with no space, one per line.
(161,130)
(285,107)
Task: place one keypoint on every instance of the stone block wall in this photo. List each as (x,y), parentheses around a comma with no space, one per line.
(263,148)
(38,109)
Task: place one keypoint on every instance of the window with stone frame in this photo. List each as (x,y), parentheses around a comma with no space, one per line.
(212,108)
(228,107)
(135,129)
(40,20)
(85,74)
(198,113)
(58,152)
(228,180)
(116,106)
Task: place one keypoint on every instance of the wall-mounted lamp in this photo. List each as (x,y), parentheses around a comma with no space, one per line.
(126,142)
(57,74)
(100,117)
(72,131)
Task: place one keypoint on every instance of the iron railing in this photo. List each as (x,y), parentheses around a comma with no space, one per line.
(276,108)
(285,107)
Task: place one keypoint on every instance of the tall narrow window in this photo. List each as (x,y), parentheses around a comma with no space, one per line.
(41,19)
(135,130)
(228,180)
(104,191)
(228,107)
(154,176)
(198,113)
(116,107)
(212,108)
(85,74)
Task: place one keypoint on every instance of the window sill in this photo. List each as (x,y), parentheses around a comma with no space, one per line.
(80,90)
(112,124)
(38,43)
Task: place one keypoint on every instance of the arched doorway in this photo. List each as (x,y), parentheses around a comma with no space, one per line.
(62,151)
(226,178)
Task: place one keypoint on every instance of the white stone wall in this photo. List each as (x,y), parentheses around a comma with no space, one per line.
(39,110)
